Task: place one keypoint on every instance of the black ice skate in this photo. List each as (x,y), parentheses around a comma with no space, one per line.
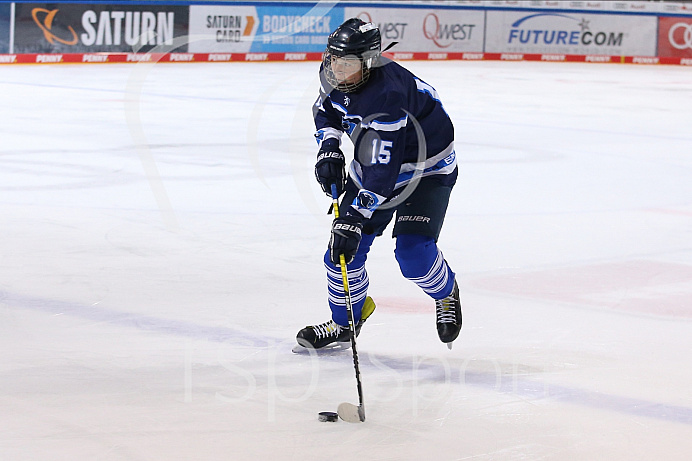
(449,316)
(330,334)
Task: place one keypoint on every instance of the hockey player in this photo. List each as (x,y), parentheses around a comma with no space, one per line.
(404,166)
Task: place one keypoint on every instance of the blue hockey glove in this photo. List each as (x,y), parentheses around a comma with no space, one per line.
(331,167)
(346,235)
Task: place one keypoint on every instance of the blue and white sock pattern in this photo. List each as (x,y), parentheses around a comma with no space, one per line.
(358,283)
(439,280)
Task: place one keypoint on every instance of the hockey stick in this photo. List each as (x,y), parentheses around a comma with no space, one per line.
(347,411)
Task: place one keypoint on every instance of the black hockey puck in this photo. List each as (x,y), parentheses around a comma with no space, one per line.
(328,417)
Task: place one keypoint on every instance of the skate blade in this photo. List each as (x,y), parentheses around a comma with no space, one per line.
(449,345)
(351,413)
(331,348)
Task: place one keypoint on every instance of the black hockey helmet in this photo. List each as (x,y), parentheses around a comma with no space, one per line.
(354,40)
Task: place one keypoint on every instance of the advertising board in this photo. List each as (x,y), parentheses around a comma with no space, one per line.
(89,28)
(570,33)
(261,28)
(624,32)
(4,28)
(675,37)
(423,29)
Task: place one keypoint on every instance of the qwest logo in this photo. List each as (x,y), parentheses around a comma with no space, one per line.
(581,34)
(389,30)
(444,34)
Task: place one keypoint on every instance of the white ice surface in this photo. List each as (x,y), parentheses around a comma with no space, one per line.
(161,236)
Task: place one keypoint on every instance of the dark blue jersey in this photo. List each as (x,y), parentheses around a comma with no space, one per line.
(395,121)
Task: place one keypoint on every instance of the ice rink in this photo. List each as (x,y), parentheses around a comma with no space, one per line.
(161,242)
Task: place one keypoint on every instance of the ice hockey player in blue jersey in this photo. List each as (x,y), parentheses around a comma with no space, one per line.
(404,168)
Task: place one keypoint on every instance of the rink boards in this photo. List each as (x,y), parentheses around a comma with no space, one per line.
(74,32)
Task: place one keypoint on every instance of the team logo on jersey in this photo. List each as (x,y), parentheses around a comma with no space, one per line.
(347,100)
(366,200)
(348,126)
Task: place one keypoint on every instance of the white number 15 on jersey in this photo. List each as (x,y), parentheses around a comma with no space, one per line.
(380,151)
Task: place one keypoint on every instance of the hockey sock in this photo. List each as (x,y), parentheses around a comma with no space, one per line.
(421,261)
(358,283)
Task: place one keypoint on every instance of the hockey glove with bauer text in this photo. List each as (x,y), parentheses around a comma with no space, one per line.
(331,167)
(346,235)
